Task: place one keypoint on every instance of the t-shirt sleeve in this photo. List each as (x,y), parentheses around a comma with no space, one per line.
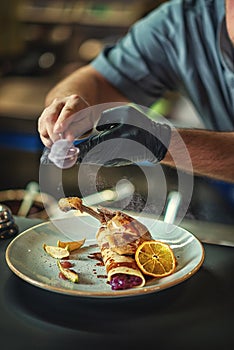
(137,65)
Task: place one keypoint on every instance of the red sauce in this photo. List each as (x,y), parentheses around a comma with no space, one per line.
(66,264)
(61,275)
(101,276)
(97,256)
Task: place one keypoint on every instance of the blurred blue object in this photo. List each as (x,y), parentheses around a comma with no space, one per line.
(22,142)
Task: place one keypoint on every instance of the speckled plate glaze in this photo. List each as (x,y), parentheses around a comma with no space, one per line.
(26,257)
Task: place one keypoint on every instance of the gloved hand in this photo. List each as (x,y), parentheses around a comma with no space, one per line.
(125,135)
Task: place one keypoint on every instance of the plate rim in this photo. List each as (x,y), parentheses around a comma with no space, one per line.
(107,294)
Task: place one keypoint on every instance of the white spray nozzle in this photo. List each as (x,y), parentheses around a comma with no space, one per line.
(63,154)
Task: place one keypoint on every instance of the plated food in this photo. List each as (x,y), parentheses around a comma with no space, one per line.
(27,259)
(128,250)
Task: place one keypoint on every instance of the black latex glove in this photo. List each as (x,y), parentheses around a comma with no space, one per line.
(126,135)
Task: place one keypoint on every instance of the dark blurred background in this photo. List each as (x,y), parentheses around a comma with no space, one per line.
(41,41)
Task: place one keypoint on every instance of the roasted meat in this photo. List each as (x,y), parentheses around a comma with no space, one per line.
(118,238)
(123,233)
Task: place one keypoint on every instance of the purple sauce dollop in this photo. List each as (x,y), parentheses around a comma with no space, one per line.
(122,281)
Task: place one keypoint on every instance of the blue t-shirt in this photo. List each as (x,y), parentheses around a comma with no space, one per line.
(180,46)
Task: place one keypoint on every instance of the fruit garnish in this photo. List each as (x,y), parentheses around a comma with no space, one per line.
(73,245)
(155,258)
(56,252)
(69,274)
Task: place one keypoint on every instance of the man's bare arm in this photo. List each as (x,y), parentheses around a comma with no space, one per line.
(89,84)
(212,153)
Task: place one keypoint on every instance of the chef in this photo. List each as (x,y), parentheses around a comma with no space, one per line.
(184,46)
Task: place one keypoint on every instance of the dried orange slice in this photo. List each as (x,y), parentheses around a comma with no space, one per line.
(72,245)
(155,258)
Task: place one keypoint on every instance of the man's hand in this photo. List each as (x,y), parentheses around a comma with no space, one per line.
(56,119)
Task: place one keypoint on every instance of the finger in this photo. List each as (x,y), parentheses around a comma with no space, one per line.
(46,141)
(73,104)
(47,120)
(43,132)
(79,129)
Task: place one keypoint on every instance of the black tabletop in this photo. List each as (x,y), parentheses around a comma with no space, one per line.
(196,314)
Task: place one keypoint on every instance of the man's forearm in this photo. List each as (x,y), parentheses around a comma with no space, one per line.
(87,83)
(212,153)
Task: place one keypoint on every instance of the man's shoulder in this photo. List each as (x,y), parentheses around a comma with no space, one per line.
(195,6)
(177,13)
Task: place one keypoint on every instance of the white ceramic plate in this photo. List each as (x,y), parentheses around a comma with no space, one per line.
(27,259)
